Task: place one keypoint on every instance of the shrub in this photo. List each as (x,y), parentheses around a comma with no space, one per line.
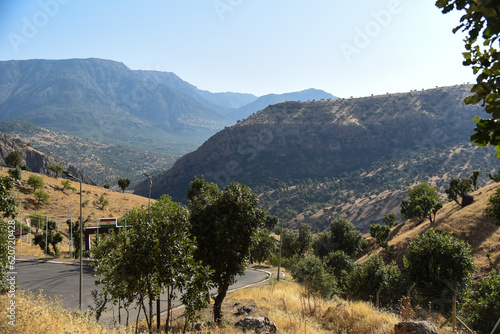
(16,173)
(35,181)
(485,303)
(67,185)
(41,196)
(380,233)
(311,271)
(493,208)
(423,202)
(340,265)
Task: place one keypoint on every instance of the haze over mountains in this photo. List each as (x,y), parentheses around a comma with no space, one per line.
(104,101)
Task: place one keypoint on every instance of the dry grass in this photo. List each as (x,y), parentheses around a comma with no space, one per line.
(468,224)
(43,316)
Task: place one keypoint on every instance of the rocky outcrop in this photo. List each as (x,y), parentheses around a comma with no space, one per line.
(259,325)
(36,161)
(418,327)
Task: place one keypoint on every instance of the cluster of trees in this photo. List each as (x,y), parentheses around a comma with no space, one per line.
(169,248)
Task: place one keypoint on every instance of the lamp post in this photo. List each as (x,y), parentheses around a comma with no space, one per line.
(158,309)
(81,243)
(282,218)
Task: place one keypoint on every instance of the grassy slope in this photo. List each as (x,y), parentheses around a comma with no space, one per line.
(468,224)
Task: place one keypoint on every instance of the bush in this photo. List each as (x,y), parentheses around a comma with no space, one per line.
(311,271)
(67,185)
(439,264)
(380,233)
(16,173)
(106,186)
(41,196)
(340,265)
(367,278)
(493,208)
(485,303)
(35,181)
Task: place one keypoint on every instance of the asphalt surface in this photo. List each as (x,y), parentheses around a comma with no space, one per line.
(62,281)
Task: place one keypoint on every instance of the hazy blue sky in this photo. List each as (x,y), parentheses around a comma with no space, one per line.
(348,48)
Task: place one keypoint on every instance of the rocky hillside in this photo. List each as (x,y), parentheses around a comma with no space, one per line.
(382,141)
(37,161)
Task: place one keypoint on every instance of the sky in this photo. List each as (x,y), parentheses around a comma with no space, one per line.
(347,48)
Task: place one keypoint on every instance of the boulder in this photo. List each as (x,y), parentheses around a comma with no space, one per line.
(259,325)
(415,327)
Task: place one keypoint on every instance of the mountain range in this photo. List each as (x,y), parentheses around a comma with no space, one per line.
(332,153)
(105,102)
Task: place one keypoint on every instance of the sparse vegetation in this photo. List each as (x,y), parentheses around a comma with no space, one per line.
(41,196)
(67,185)
(103,201)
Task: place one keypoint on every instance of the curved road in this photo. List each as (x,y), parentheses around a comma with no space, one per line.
(61,280)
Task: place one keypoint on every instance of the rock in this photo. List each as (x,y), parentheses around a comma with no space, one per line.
(243,310)
(412,327)
(257,324)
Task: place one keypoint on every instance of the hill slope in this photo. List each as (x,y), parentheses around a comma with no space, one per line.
(367,147)
(468,224)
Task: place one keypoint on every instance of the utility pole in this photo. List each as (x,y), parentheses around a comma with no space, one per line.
(282,218)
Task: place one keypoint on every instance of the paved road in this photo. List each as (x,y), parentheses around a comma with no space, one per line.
(61,280)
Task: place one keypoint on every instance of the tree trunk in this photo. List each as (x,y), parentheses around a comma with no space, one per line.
(221,294)
(169,306)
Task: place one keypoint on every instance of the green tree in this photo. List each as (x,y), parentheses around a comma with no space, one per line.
(53,238)
(367,278)
(340,265)
(41,196)
(439,263)
(493,208)
(423,202)
(123,184)
(474,178)
(36,182)
(67,185)
(459,188)
(14,159)
(390,219)
(343,236)
(57,168)
(223,223)
(106,186)
(481,22)
(263,247)
(485,303)
(153,255)
(16,173)
(103,201)
(380,233)
(8,210)
(311,271)
(296,243)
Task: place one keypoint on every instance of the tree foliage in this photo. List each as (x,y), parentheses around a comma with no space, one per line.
(296,243)
(8,210)
(14,159)
(7,202)
(380,233)
(263,247)
(16,173)
(57,168)
(481,22)
(311,271)
(153,255)
(493,208)
(41,196)
(340,265)
(459,188)
(67,185)
(53,238)
(342,235)
(36,182)
(485,303)
(390,219)
(367,278)
(439,264)
(224,224)
(123,184)
(423,202)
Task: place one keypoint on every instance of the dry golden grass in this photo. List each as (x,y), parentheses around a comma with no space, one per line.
(468,224)
(43,316)
(67,203)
